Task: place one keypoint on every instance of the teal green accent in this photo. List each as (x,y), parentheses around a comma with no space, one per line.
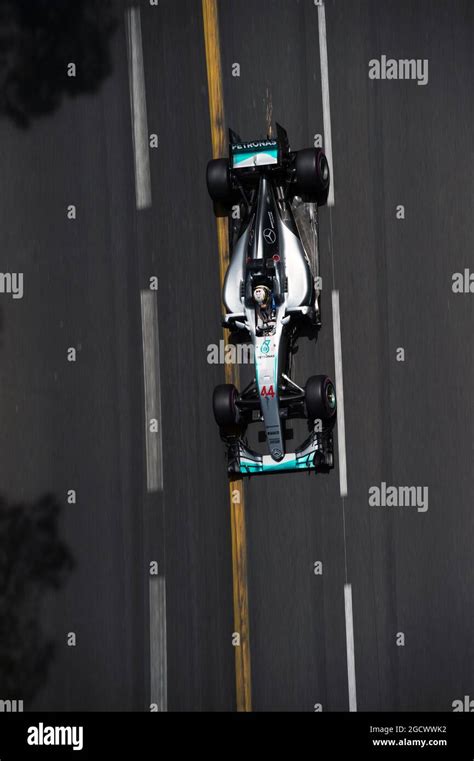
(258,467)
(241,157)
(256,367)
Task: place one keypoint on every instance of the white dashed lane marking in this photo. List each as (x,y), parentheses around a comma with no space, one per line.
(158,653)
(152,388)
(136,77)
(351,677)
(323,56)
(341,423)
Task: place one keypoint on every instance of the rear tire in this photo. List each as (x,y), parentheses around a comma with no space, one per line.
(320,398)
(219,184)
(312,174)
(225,409)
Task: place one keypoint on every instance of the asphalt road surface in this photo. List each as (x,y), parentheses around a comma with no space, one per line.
(82,425)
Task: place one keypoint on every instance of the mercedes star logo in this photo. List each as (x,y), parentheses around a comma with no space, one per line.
(269,235)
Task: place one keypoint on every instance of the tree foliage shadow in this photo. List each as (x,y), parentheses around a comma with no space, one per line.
(33,562)
(38,39)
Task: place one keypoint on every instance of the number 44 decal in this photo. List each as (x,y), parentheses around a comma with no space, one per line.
(267,391)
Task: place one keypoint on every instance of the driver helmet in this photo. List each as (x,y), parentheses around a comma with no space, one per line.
(261,295)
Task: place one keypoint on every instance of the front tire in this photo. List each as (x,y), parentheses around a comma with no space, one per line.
(224,405)
(320,398)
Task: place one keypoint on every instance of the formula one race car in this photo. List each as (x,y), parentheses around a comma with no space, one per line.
(272,293)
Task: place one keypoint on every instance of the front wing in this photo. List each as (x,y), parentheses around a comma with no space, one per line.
(315,454)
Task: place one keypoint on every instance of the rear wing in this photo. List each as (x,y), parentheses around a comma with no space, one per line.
(257,153)
(266,152)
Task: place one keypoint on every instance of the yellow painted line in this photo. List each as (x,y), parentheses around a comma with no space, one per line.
(216,112)
(236,492)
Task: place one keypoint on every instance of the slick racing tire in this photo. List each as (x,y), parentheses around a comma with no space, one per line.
(320,398)
(225,409)
(312,174)
(218,180)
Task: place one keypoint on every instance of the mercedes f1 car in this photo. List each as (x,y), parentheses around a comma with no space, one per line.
(272,295)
